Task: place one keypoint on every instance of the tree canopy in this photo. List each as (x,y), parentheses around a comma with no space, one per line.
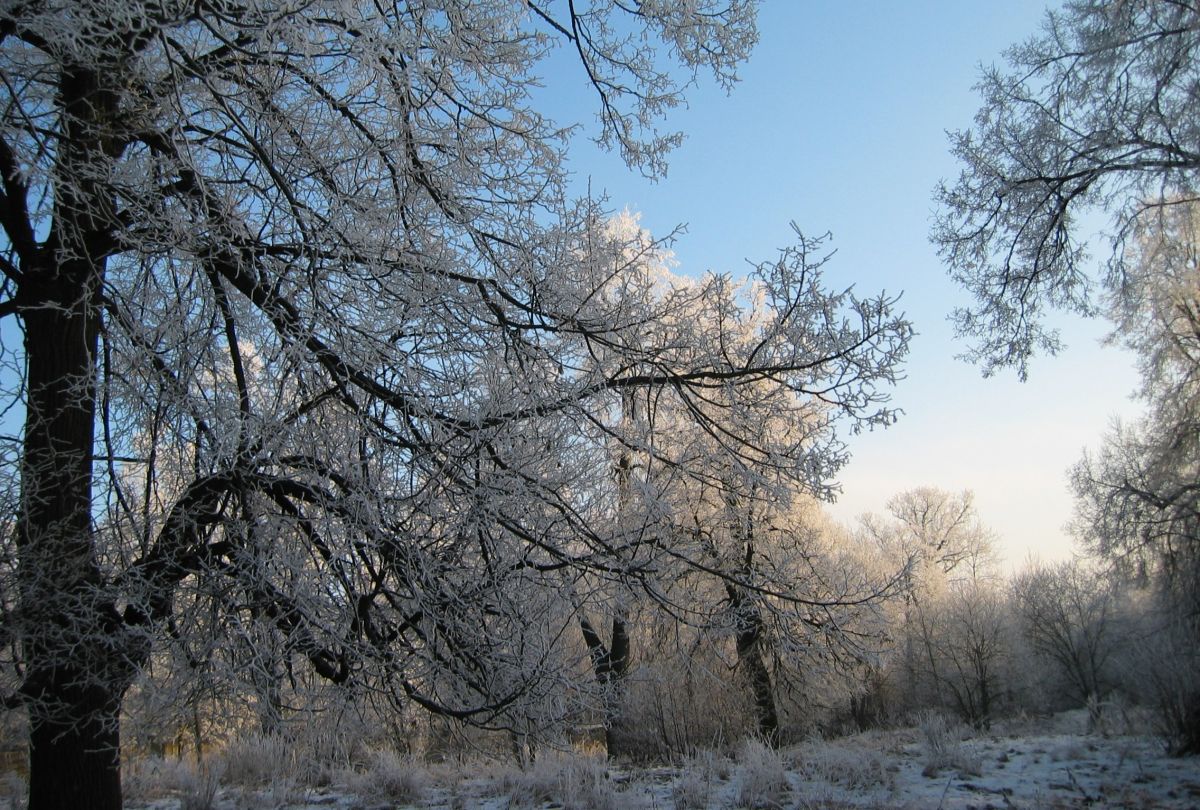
(311,332)
(1095,113)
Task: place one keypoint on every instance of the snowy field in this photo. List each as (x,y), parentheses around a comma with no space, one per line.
(1048,763)
(1045,764)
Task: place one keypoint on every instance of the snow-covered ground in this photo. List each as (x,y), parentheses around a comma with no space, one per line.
(1050,764)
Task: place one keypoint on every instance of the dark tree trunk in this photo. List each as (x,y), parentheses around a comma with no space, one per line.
(73,761)
(71,632)
(749,639)
(610,664)
(1188,743)
(72,639)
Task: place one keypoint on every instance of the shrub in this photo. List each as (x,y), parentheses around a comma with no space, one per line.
(762,776)
(388,776)
(944,748)
(575,782)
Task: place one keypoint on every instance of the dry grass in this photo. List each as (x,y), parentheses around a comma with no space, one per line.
(857,769)
(762,776)
(700,780)
(391,777)
(199,787)
(944,749)
(573,781)
(257,760)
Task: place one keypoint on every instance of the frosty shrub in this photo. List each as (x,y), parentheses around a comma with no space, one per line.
(943,746)
(692,790)
(698,780)
(146,779)
(574,782)
(390,777)
(258,760)
(1173,685)
(761,775)
(674,705)
(859,768)
(198,788)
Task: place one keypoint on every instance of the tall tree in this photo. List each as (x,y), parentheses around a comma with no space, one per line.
(1094,115)
(322,255)
(934,538)
(1138,505)
(1137,500)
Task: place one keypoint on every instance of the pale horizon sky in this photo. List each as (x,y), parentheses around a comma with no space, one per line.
(839,124)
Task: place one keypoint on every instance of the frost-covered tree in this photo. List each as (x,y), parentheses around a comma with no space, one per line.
(939,533)
(1137,500)
(1095,113)
(1069,614)
(748,564)
(303,325)
(934,538)
(965,644)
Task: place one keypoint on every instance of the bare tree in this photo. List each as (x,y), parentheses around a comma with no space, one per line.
(1068,612)
(321,255)
(965,644)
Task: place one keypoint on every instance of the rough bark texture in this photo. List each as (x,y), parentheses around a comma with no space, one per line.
(71,633)
(70,630)
(610,664)
(753,665)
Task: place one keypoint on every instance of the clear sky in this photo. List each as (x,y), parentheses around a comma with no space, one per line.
(839,124)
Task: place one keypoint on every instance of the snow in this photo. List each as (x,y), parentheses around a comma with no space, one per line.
(1047,764)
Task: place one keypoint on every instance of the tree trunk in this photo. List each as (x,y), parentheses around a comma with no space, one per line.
(73,760)
(72,638)
(70,631)
(753,666)
(1188,744)
(610,664)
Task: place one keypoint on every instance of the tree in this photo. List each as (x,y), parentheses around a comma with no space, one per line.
(321,256)
(746,566)
(934,538)
(1137,502)
(1068,614)
(965,645)
(1095,113)
(937,533)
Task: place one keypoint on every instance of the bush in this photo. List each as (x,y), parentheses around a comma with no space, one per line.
(944,748)
(762,776)
(258,760)
(575,782)
(198,788)
(698,780)
(388,776)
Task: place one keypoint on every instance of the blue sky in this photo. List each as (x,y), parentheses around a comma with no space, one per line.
(839,124)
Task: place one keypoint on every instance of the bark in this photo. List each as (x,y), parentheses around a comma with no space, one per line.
(73,639)
(753,665)
(72,635)
(610,665)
